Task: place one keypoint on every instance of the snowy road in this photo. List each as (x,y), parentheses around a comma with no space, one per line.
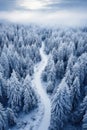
(41,91)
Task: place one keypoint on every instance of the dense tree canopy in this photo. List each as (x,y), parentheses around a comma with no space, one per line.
(65,74)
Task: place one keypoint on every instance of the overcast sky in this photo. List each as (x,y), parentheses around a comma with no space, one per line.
(68,12)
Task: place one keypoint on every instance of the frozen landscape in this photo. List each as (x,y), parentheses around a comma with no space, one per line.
(43,82)
(43,65)
(42,118)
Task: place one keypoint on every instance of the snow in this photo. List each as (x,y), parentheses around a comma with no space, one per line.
(41,91)
(38,119)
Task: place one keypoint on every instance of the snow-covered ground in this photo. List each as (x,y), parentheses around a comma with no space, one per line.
(41,91)
(38,119)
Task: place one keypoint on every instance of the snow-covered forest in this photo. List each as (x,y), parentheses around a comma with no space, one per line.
(43,75)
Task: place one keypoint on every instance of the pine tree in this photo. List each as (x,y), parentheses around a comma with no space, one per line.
(84,125)
(55,55)
(61,107)
(14,93)
(78,114)
(75,92)
(3,90)
(5,63)
(1,70)
(3,119)
(11,117)
(30,98)
(68,78)
(59,69)
(50,87)
(29,66)
(71,62)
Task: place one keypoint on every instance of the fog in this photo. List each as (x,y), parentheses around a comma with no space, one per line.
(61,12)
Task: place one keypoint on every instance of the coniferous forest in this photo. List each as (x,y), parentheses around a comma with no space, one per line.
(63,78)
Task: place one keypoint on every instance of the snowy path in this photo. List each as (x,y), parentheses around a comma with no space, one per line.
(39,119)
(41,91)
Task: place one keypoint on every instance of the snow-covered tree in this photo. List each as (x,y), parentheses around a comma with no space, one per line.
(78,114)
(30,98)
(11,117)
(67,65)
(76,92)
(84,125)
(59,69)
(3,90)
(1,70)
(80,69)
(49,73)
(14,93)
(61,107)
(71,62)
(68,78)
(29,67)
(5,63)
(50,87)
(55,55)
(3,119)
(15,62)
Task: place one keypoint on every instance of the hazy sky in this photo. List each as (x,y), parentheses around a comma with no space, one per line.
(66,12)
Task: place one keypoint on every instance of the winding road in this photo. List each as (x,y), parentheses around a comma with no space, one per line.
(41,91)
